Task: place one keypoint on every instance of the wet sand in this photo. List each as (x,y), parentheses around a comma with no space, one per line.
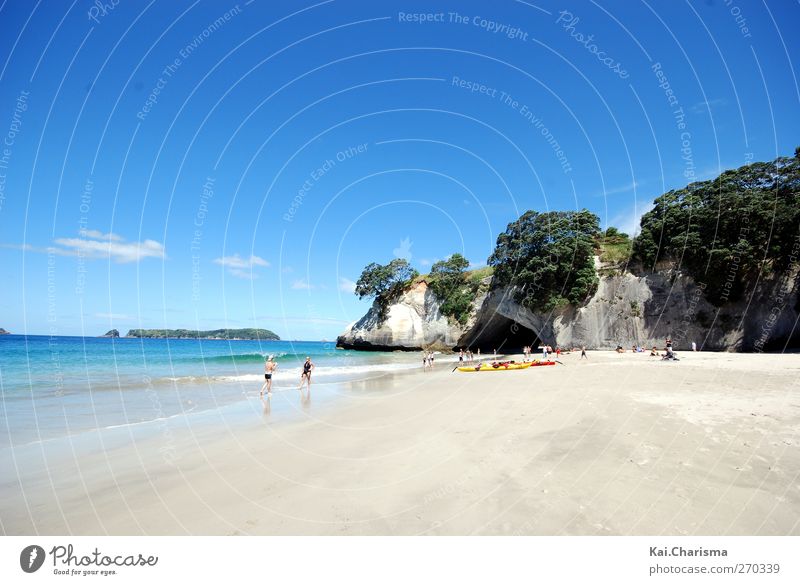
(616,444)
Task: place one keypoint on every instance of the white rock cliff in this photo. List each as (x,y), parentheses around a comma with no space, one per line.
(626,310)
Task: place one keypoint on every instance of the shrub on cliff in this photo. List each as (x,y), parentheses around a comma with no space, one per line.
(548,257)
(448,280)
(725,231)
(614,247)
(385,282)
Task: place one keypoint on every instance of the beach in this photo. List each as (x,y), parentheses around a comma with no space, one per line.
(616,444)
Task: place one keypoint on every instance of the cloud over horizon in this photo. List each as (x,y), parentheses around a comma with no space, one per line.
(241,267)
(96,245)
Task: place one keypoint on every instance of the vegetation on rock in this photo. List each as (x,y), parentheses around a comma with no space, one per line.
(385,282)
(614,247)
(548,258)
(249,333)
(723,232)
(726,231)
(455,288)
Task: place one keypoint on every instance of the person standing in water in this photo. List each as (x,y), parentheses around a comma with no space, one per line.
(305,377)
(269,368)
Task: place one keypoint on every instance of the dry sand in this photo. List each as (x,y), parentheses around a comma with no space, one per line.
(616,444)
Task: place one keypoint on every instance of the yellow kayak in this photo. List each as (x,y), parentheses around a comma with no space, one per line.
(491,368)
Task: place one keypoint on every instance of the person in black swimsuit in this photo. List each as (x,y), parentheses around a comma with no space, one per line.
(306,375)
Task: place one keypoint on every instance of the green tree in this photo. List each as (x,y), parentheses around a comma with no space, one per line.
(726,231)
(448,281)
(385,282)
(548,257)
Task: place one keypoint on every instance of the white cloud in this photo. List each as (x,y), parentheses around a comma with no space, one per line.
(301,285)
(118,251)
(237,261)
(98,235)
(346,285)
(241,267)
(243,274)
(95,245)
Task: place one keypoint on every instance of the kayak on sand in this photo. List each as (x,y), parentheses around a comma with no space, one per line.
(494,367)
(543,363)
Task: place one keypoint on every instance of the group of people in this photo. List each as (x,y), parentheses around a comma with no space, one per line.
(270,365)
(466,355)
(547,350)
(669,352)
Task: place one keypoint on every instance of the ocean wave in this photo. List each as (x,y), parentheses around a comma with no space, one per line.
(252,357)
(344,372)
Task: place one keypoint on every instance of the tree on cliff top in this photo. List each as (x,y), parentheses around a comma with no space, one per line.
(448,281)
(385,282)
(548,257)
(726,231)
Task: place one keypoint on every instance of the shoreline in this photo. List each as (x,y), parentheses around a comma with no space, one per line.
(618,444)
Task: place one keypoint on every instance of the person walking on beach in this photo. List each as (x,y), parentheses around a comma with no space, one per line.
(305,377)
(461,356)
(479,354)
(583,352)
(269,368)
(694,346)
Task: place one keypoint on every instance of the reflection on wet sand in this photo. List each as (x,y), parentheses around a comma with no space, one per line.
(266,402)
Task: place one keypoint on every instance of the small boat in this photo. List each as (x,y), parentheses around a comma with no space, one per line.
(543,363)
(495,367)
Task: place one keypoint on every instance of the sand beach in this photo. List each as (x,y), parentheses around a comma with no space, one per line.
(615,444)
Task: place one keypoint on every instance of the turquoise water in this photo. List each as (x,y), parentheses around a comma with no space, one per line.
(52,387)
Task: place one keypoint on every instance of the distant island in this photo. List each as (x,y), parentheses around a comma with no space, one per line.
(248,334)
(4,332)
(112,333)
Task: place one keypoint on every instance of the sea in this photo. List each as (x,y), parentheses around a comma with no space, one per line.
(57,387)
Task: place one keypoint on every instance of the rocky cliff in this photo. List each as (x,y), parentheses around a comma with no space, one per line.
(627,309)
(413,322)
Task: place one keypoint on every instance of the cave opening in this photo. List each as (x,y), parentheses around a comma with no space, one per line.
(502,334)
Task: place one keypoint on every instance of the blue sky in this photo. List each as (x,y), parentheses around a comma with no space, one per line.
(213,164)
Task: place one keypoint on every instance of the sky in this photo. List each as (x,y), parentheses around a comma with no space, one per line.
(216,164)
